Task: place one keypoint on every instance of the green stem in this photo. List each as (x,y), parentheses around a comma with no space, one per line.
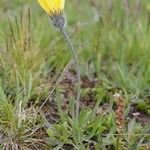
(75,57)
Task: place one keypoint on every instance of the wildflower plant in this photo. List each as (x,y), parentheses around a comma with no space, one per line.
(55,10)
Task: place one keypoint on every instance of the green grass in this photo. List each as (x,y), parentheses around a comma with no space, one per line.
(114,50)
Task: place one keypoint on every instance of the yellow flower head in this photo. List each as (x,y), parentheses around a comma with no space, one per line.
(52,7)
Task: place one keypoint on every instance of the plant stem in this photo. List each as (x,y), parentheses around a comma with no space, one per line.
(75,57)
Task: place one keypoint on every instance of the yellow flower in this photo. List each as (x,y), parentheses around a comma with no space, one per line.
(52,7)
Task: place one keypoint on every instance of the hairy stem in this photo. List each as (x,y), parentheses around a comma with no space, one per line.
(75,57)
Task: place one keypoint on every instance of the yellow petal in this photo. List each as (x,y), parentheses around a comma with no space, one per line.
(52,6)
(60,4)
(45,4)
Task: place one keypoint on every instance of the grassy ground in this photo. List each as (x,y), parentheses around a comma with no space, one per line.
(113,44)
